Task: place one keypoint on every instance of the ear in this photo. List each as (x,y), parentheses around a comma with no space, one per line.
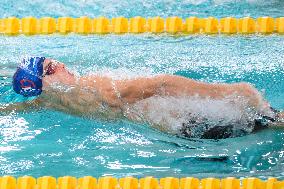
(46,61)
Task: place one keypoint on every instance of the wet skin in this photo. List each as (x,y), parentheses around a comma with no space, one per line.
(86,94)
(96,95)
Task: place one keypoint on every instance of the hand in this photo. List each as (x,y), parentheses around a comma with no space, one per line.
(280,117)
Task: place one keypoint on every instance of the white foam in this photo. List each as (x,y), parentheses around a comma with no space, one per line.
(170,113)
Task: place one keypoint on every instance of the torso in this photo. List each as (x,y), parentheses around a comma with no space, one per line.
(99,97)
(89,97)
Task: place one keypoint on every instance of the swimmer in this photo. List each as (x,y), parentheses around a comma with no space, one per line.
(57,88)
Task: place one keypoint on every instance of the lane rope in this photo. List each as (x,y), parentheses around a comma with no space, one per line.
(89,182)
(121,25)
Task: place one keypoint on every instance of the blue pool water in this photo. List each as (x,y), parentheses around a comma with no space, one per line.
(54,143)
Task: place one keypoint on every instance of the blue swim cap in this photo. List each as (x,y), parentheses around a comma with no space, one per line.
(27,80)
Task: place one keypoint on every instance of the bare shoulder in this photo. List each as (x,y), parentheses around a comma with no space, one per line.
(94,81)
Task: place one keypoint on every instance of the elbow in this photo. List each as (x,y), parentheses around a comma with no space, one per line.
(254,97)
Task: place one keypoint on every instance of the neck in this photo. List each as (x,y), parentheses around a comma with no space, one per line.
(62,82)
(69,80)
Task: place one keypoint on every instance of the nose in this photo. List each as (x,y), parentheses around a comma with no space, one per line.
(61,65)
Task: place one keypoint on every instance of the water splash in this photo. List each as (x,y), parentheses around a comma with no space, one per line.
(172,114)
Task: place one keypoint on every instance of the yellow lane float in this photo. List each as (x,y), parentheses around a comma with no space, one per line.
(137,25)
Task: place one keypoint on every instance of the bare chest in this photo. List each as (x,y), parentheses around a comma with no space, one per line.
(85,102)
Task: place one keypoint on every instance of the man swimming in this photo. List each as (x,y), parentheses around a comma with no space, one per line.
(95,95)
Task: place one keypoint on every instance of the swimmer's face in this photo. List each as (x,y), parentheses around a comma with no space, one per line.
(55,72)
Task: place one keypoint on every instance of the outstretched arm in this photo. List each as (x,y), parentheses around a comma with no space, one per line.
(171,85)
(20,107)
